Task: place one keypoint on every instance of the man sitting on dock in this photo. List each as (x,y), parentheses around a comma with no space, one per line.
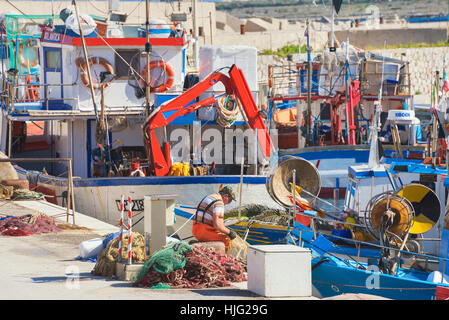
(208,222)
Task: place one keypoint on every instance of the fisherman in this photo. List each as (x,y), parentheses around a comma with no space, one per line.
(208,222)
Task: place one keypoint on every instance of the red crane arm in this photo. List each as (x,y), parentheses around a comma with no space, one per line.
(234,84)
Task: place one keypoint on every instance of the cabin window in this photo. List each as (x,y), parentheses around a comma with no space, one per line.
(121,68)
(53,59)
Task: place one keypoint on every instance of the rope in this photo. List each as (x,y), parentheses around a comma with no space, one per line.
(228,107)
(191,217)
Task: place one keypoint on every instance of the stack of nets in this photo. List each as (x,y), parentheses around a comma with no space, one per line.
(28,224)
(25,194)
(11,193)
(107,259)
(179,265)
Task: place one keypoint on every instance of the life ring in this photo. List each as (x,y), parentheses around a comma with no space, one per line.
(25,63)
(169,71)
(32,92)
(81,63)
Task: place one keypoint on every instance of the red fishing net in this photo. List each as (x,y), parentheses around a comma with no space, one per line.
(27,225)
(204,268)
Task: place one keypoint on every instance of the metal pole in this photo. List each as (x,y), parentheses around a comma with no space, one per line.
(130,231)
(309,89)
(294,197)
(241,186)
(332,48)
(255,152)
(195,36)
(69,198)
(9,137)
(148,52)
(348,139)
(72,196)
(120,243)
(210,23)
(89,75)
(435,121)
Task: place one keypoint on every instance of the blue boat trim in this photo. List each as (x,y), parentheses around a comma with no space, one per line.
(35,176)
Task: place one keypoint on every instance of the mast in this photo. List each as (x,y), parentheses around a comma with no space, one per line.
(309,89)
(373,160)
(195,35)
(349,139)
(147,58)
(89,75)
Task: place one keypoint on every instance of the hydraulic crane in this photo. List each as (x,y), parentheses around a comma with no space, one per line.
(235,84)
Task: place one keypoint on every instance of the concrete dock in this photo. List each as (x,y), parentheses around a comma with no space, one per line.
(45,266)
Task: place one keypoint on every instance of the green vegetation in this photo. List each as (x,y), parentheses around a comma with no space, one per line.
(257,3)
(284,51)
(410,45)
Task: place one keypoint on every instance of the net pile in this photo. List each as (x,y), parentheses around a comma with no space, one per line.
(253,210)
(107,259)
(11,193)
(28,224)
(180,265)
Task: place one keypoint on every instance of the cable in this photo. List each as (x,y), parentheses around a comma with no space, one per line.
(98,9)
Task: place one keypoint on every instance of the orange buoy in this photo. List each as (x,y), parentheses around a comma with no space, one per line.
(81,63)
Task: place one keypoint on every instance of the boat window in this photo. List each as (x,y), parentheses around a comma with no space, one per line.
(53,59)
(121,68)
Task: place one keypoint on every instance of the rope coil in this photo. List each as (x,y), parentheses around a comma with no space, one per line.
(228,107)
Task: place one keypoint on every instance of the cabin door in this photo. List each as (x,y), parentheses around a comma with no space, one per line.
(53,74)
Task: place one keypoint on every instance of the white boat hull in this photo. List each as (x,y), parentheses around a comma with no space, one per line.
(100,197)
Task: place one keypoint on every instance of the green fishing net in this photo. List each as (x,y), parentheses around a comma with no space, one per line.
(166,260)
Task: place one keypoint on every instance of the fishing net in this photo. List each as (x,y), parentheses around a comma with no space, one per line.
(107,259)
(28,224)
(166,260)
(238,248)
(25,194)
(6,192)
(252,210)
(11,193)
(203,268)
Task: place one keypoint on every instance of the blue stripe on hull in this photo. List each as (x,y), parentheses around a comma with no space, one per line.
(34,176)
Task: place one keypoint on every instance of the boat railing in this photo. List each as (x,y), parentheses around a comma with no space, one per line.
(417,254)
(11,95)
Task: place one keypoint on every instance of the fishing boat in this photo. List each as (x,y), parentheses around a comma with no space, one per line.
(411,265)
(325,117)
(78,85)
(402,204)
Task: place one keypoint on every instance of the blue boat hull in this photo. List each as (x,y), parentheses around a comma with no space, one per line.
(331,279)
